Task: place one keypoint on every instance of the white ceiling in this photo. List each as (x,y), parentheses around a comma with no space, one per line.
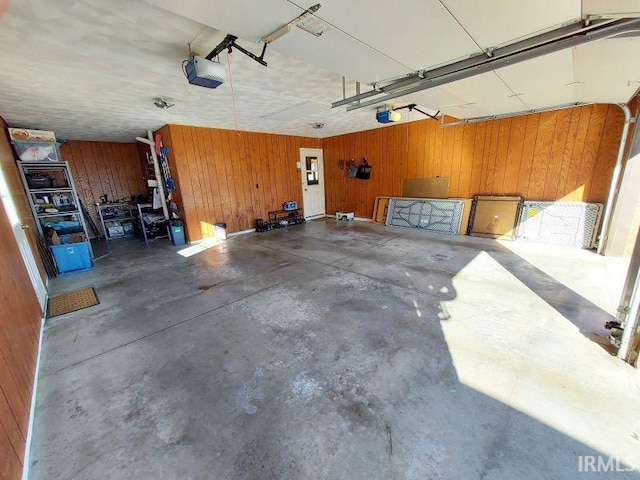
(90,69)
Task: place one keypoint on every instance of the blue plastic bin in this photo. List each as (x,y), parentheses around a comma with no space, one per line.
(177,235)
(71,257)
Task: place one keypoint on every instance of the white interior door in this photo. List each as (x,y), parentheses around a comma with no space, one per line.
(23,244)
(312,174)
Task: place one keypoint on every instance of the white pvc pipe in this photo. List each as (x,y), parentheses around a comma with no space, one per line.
(156,168)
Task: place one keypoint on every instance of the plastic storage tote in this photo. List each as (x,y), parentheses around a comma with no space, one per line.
(177,234)
(72,257)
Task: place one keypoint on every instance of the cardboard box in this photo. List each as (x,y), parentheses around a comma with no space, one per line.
(23,134)
(432,187)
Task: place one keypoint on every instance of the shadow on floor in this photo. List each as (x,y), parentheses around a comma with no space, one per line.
(325,370)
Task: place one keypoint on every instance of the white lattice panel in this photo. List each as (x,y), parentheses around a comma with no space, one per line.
(572,224)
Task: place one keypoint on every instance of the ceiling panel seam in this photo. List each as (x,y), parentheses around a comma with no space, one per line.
(517,95)
(461,26)
(353,37)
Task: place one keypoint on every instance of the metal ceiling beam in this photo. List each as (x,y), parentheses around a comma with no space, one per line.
(549,42)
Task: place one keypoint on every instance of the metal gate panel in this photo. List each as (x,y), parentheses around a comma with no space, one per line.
(571,224)
(440,216)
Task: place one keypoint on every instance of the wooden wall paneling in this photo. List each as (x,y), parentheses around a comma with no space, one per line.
(105,172)
(263,168)
(209,162)
(607,155)
(466,160)
(541,153)
(492,155)
(573,192)
(11,465)
(514,155)
(273,172)
(117,166)
(412,149)
(420,135)
(485,186)
(87,157)
(539,156)
(20,317)
(258,180)
(248,213)
(20,375)
(181,140)
(377,177)
(73,155)
(561,132)
(528,146)
(456,161)
(234,180)
(293,157)
(561,189)
(214,173)
(478,155)
(361,150)
(262,154)
(293,153)
(276,170)
(437,154)
(193,179)
(334,184)
(11,437)
(371,186)
(447,154)
(393,148)
(110,173)
(201,168)
(592,146)
(500,166)
(181,173)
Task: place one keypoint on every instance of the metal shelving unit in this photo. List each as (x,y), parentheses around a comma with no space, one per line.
(53,198)
(145,226)
(117,219)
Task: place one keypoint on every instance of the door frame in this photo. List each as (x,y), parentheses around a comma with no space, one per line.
(18,226)
(318,152)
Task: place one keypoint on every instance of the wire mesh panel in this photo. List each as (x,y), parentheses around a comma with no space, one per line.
(441,216)
(571,224)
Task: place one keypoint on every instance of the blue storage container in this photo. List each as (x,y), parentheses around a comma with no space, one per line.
(177,235)
(72,257)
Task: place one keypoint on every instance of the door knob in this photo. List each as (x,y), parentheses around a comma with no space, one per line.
(24,226)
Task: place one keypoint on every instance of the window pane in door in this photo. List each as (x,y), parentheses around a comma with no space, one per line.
(312,178)
(312,163)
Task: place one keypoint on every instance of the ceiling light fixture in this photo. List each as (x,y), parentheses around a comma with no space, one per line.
(163,103)
(305,21)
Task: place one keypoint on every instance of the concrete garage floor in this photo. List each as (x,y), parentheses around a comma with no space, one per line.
(337,351)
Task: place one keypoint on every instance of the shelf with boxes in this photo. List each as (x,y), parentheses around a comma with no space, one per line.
(117,219)
(56,209)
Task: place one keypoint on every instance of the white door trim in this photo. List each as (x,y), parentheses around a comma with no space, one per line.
(17,227)
(319,189)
